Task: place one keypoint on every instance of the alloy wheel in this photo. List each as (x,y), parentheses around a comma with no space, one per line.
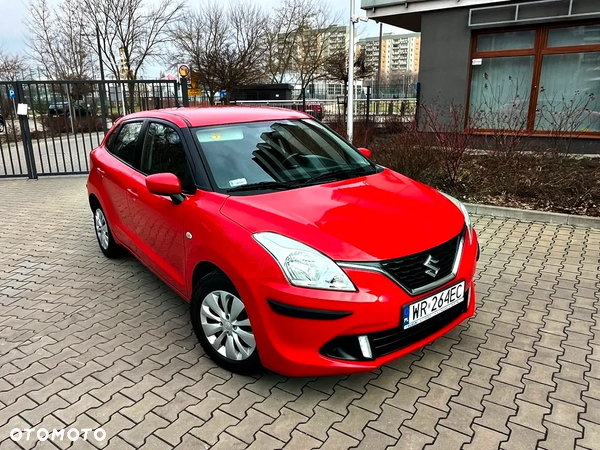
(226,325)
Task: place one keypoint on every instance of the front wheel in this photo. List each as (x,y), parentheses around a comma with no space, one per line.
(105,238)
(222,325)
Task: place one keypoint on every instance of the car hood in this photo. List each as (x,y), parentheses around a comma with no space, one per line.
(380,216)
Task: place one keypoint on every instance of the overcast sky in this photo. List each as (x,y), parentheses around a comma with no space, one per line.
(13,13)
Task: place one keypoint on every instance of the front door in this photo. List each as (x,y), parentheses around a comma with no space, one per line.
(157,220)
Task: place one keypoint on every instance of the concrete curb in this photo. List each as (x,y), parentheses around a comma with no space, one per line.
(531,215)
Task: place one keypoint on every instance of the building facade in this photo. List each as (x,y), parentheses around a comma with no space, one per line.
(530,65)
(336,39)
(400,53)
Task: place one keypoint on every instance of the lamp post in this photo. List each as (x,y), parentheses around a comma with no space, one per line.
(101,85)
(350,107)
(353,20)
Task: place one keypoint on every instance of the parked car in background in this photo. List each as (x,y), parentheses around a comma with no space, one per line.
(294,249)
(62,109)
(315,109)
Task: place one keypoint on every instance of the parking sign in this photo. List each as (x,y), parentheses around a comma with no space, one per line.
(11,93)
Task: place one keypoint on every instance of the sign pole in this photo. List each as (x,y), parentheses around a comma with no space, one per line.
(184,73)
(102,84)
(350,107)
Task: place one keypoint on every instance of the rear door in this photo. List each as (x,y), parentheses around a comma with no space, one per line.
(115,169)
(158,222)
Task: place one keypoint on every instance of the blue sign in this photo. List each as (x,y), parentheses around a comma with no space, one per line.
(222,94)
(11,93)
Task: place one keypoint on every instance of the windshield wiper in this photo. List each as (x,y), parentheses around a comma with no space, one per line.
(336,174)
(261,186)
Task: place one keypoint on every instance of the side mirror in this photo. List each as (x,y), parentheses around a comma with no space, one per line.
(163,184)
(365,151)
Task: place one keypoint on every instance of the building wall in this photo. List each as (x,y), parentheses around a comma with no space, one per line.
(446,59)
(445,55)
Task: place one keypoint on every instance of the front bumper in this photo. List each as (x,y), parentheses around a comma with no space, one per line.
(295,327)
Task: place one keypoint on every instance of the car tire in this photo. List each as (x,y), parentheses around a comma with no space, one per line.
(103,234)
(228,340)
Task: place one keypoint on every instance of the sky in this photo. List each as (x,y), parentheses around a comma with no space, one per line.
(14,12)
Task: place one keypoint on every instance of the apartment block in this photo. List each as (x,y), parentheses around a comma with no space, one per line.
(400,53)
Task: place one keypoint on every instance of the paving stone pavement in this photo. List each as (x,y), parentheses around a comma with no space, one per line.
(89,342)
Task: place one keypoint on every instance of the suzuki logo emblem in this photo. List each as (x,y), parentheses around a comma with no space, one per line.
(430,264)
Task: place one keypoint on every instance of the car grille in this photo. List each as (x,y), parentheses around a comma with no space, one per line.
(389,341)
(410,271)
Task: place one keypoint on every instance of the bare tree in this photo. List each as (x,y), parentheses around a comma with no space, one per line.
(298,40)
(336,67)
(131,32)
(10,65)
(225,46)
(57,39)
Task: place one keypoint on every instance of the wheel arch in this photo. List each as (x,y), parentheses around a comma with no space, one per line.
(204,268)
(94,201)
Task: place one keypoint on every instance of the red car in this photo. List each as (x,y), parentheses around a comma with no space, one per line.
(294,249)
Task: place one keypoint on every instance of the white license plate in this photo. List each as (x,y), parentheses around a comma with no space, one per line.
(424,309)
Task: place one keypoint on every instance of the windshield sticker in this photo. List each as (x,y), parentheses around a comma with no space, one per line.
(220,135)
(238,182)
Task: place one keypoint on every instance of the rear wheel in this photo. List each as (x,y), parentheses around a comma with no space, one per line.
(105,238)
(222,325)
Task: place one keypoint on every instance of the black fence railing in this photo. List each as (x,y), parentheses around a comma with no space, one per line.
(65,120)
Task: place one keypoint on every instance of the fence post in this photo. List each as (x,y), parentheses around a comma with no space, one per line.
(175,91)
(102,86)
(304,99)
(368,105)
(184,92)
(26,135)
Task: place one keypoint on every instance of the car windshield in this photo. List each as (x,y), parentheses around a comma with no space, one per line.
(282,154)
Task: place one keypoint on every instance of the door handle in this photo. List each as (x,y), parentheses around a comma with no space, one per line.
(133,193)
(100,171)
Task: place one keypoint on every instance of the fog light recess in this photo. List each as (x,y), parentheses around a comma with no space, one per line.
(365,347)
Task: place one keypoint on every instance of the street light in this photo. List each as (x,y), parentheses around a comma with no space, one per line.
(353,20)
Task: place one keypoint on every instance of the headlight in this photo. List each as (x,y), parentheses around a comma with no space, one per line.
(465,213)
(304,266)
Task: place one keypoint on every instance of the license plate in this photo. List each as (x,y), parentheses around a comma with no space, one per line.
(424,309)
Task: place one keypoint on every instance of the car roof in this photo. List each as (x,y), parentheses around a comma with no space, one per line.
(219,115)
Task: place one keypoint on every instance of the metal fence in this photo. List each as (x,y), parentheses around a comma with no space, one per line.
(65,120)
(365,109)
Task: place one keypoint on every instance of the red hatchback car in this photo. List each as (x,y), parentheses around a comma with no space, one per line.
(295,250)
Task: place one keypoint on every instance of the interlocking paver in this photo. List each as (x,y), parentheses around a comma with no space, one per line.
(210,430)
(282,427)
(242,403)
(206,407)
(390,421)
(85,340)
(354,423)
(249,426)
